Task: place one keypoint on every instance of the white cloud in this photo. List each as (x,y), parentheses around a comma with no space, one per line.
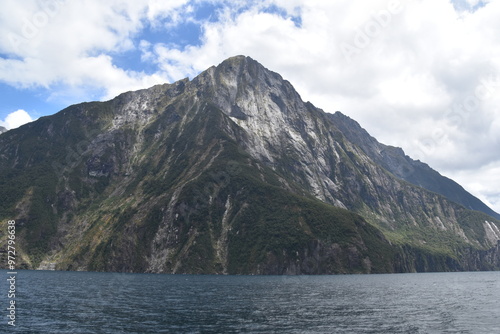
(69,43)
(16,119)
(480,181)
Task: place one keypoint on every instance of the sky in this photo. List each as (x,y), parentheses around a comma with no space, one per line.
(423,75)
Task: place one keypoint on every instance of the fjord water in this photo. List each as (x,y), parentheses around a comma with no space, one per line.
(86,302)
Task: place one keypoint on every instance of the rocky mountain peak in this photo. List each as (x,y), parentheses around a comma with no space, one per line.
(242,83)
(260,102)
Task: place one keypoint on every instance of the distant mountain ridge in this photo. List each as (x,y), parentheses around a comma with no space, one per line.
(397,162)
(227,173)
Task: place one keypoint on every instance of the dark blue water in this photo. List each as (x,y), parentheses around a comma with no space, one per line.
(78,302)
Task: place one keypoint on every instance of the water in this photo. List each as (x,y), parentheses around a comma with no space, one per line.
(77,302)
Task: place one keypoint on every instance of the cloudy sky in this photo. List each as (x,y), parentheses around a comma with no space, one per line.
(423,75)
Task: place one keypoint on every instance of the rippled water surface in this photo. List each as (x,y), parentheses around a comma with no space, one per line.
(78,302)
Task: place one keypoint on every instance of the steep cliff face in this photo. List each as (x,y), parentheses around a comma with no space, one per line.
(319,153)
(228,173)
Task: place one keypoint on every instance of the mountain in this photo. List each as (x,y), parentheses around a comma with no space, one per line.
(2,129)
(398,163)
(229,173)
